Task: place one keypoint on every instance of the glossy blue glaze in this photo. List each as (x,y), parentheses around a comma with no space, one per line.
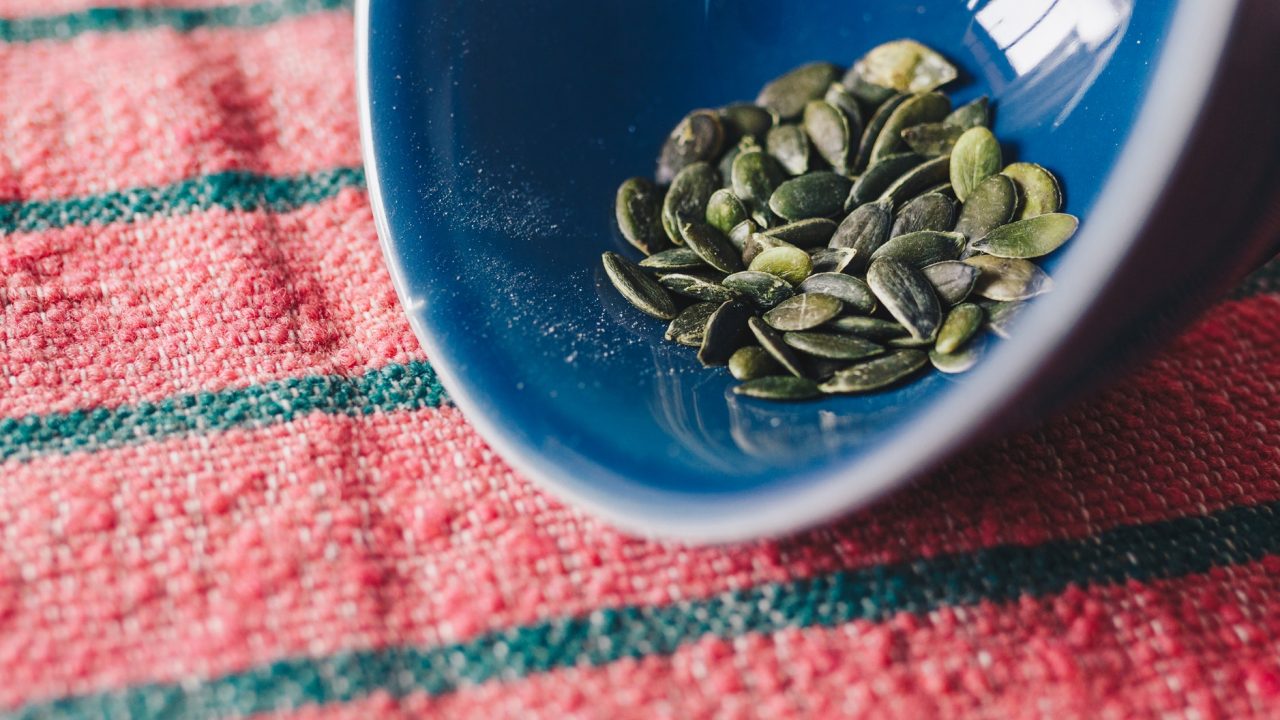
(500,131)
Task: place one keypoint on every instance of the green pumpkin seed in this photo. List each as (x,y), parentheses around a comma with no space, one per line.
(761,289)
(832,346)
(851,291)
(745,120)
(876,373)
(905,66)
(697,287)
(1030,238)
(790,146)
(638,210)
(831,260)
(1009,278)
(871,130)
(803,312)
(712,246)
(880,177)
(960,361)
(907,295)
(975,158)
(931,211)
(917,180)
(910,342)
(751,362)
(758,243)
(923,108)
(638,288)
(779,387)
(740,232)
(690,325)
(818,194)
(971,115)
(1002,316)
(771,340)
(725,211)
(951,280)
(870,96)
(1041,193)
(920,249)
(867,327)
(932,139)
(726,331)
(787,95)
(990,205)
(698,138)
(810,233)
(841,97)
(673,260)
(687,198)
(756,174)
(961,325)
(830,133)
(789,263)
(863,232)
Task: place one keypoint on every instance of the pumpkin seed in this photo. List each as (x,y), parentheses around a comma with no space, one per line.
(917,180)
(961,325)
(1030,238)
(923,108)
(910,342)
(751,362)
(905,66)
(687,198)
(931,211)
(990,205)
(951,280)
(697,287)
(725,211)
(813,232)
(842,98)
(932,139)
(803,312)
(831,260)
(831,345)
(1009,278)
(879,177)
(771,340)
(876,373)
(761,289)
(756,174)
(726,331)
(851,291)
(745,120)
(790,146)
(863,232)
(1002,316)
(712,246)
(871,130)
(960,361)
(789,263)
(907,295)
(673,260)
(690,325)
(1041,193)
(638,288)
(699,137)
(870,96)
(830,133)
(920,249)
(975,158)
(758,243)
(970,115)
(787,95)
(868,327)
(638,209)
(740,232)
(818,194)
(779,387)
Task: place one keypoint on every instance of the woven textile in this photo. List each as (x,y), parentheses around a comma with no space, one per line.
(230,483)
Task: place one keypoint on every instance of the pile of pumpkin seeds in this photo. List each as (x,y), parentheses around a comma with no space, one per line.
(840,234)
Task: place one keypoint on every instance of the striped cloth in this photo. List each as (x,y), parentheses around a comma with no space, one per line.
(231,485)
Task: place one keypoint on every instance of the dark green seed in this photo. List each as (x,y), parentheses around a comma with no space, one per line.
(975,158)
(931,211)
(863,232)
(787,95)
(835,260)
(687,198)
(697,287)
(745,120)
(1009,278)
(725,211)
(740,232)
(851,291)
(1029,238)
(761,289)
(1040,191)
(916,181)
(952,280)
(868,327)
(881,177)
(1002,316)
(971,115)
(932,139)
(870,96)
(789,263)
(818,194)
(690,325)
(830,345)
(758,243)
(811,233)
(673,260)
(638,210)
(957,362)
(751,362)
(830,133)
(779,387)
(920,249)
(756,174)
(908,297)
(638,288)
(712,246)
(771,340)
(905,66)
(698,138)
(961,325)
(841,97)
(726,332)
(790,146)
(992,204)
(871,130)
(923,108)
(803,312)
(876,373)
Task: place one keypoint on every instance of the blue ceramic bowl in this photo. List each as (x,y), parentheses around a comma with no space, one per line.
(496,133)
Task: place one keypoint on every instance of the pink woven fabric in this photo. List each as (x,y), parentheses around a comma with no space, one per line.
(229,486)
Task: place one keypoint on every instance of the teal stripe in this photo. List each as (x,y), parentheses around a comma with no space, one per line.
(394,387)
(1141,553)
(125,19)
(232,190)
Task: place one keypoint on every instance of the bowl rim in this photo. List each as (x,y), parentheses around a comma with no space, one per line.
(1183,78)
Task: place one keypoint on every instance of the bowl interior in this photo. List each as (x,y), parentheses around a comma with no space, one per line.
(500,131)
